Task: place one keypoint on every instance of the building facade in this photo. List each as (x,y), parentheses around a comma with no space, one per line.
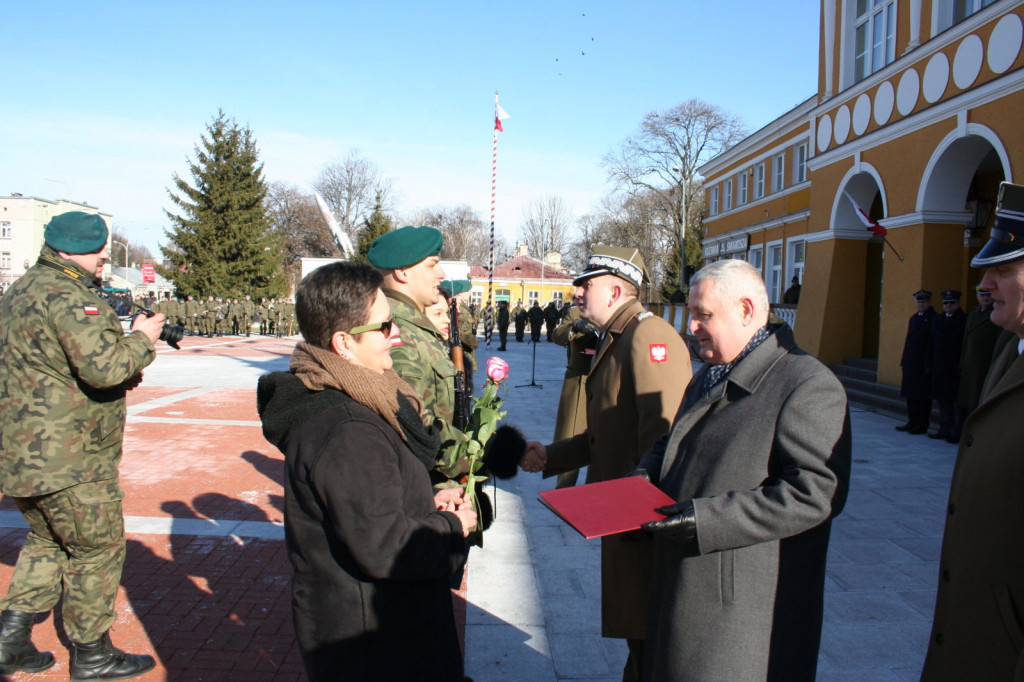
(22,221)
(913,126)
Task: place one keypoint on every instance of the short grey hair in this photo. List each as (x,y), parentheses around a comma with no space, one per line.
(734,279)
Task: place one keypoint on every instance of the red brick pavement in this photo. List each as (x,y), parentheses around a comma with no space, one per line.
(208,608)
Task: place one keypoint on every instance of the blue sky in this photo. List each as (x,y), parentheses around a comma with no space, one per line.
(104,101)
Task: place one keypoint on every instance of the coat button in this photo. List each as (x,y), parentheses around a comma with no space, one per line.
(945,575)
(969,440)
(951,508)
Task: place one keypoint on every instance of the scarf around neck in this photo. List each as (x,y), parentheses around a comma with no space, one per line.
(386,394)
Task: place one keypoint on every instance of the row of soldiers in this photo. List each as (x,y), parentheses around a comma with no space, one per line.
(217,316)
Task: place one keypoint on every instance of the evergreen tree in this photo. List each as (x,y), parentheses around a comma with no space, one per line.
(375,225)
(223,243)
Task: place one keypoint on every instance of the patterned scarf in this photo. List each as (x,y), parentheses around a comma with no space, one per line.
(716,374)
(386,394)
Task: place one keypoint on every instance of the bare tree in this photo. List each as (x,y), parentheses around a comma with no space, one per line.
(296,218)
(547,226)
(134,251)
(466,235)
(351,187)
(662,158)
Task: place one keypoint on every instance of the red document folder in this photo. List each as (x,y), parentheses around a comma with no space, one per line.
(609,507)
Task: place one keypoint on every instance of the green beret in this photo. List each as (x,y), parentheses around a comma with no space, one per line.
(405,247)
(76,232)
(456,287)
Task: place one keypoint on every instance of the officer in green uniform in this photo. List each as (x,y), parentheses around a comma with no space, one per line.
(65,366)
(408,260)
(191,314)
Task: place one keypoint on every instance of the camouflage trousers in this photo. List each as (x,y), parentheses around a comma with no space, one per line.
(75,545)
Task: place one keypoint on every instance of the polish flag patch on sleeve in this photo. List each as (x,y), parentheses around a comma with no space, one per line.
(91,310)
(659,352)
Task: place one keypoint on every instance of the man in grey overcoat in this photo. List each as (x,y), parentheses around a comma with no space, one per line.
(759,461)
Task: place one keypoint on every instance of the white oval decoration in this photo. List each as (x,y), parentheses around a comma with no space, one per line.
(842,124)
(1004,44)
(884,99)
(824,132)
(861,114)
(936,78)
(907,92)
(967,62)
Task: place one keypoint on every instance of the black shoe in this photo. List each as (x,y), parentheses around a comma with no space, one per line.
(917,432)
(102,661)
(904,427)
(953,439)
(938,435)
(17,653)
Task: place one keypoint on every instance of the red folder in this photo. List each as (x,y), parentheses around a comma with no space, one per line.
(608,507)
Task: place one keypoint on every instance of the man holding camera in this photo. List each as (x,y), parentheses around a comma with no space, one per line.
(65,365)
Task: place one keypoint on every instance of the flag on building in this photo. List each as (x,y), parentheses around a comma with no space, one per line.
(868,222)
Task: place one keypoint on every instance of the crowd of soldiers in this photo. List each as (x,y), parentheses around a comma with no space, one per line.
(217,316)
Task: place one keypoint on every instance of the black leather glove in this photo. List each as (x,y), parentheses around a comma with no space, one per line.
(680,526)
(582,326)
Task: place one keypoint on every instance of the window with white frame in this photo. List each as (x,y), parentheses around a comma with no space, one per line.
(5,260)
(954,11)
(759,181)
(874,42)
(558,297)
(713,201)
(773,272)
(477,297)
(800,163)
(532,296)
(779,172)
(727,196)
(756,257)
(795,262)
(741,189)
(5,230)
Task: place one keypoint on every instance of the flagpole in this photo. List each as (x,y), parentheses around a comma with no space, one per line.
(490,264)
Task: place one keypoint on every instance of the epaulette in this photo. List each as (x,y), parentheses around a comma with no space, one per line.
(644,316)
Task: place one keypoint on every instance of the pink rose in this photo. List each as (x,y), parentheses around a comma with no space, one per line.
(497,369)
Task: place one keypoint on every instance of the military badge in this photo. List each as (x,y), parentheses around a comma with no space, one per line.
(91,310)
(659,352)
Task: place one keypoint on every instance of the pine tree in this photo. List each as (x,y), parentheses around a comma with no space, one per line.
(223,243)
(374,226)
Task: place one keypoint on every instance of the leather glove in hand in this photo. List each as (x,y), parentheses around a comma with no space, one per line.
(582,326)
(680,526)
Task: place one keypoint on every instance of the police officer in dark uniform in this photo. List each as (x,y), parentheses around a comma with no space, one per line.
(980,335)
(536,322)
(520,317)
(916,364)
(947,345)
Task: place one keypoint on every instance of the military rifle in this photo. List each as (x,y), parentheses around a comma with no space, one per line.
(462,408)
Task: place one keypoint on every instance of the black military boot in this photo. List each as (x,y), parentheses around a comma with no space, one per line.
(17,653)
(102,661)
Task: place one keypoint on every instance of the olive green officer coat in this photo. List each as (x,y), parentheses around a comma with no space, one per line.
(634,388)
(978,627)
(64,360)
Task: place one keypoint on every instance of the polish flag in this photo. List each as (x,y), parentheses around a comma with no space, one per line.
(499,114)
(868,222)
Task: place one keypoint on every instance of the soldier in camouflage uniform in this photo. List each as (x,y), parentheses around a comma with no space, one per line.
(407,258)
(248,311)
(65,365)
(460,290)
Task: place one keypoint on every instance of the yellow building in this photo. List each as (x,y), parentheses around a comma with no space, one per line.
(523,279)
(914,123)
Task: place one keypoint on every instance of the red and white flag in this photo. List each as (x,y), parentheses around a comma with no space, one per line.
(868,222)
(499,114)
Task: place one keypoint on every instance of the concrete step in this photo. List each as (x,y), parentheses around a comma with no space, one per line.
(863,363)
(854,372)
(880,390)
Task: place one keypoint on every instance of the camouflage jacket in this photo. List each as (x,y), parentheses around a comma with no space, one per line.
(467,336)
(63,363)
(421,359)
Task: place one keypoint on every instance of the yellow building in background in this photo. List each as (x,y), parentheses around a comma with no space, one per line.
(526,280)
(915,123)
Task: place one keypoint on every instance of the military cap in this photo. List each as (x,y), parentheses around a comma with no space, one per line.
(76,232)
(456,287)
(614,260)
(405,247)
(922,295)
(1006,241)
(982,291)
(950,296)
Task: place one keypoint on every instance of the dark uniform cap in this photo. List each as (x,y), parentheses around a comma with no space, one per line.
(922,295)
(405,247)
(1006,241)
(456,287)
(982,291)
(950,296)
(76,232)
(614,260)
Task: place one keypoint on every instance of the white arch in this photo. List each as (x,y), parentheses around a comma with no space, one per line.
(862,192)
(940,180)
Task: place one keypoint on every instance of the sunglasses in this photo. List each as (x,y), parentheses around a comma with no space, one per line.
(384,327)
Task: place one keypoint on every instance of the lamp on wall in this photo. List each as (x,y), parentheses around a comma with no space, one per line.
(981,211)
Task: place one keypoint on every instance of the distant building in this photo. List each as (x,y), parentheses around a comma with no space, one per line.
(524,279)
(22,220)
(915,122)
